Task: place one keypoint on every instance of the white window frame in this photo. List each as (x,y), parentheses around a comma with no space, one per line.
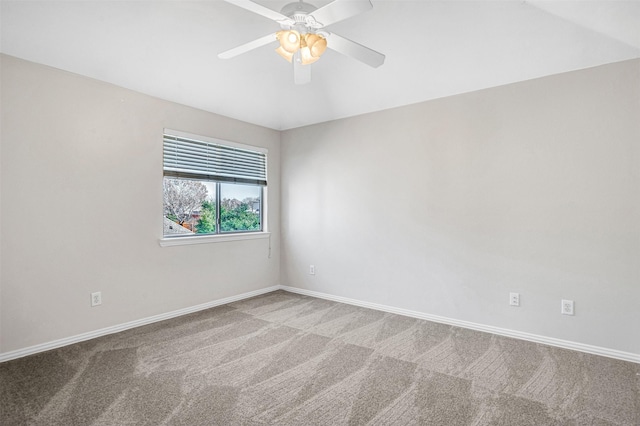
(220,237)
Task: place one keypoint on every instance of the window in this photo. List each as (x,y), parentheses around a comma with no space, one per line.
(211,187)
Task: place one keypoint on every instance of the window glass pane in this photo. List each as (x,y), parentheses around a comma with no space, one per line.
(240,207)
(189,207)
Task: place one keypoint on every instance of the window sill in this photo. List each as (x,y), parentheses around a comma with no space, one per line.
(208,239)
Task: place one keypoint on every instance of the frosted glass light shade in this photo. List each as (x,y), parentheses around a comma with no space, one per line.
(289,40)
(311,46)
(286,55)
(306,56)
(316,44)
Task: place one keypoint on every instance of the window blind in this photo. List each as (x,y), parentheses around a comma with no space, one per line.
(196,159)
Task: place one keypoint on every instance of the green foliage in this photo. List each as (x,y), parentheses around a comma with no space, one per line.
(238,216)
(207,222)
(235,215)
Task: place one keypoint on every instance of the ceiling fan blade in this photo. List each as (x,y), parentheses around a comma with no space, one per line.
(357,51)
(340,10)
(248,46)
(259,9)
(301,73)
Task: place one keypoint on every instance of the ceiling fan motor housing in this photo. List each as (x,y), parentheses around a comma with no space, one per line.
(301,19)
(297,8)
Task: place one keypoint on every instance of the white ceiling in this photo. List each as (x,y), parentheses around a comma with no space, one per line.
(433,49)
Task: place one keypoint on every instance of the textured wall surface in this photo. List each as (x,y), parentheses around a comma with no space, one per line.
(445,207)
(442,207)
(82,209)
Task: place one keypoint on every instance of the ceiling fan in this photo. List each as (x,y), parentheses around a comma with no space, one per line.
(303,37)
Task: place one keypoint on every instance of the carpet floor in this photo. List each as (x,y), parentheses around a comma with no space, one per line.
(287,359)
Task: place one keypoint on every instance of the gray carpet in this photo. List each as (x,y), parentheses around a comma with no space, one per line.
(286,359)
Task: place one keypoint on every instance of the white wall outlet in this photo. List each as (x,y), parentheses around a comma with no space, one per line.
(96,298)
(312,270)
(567,307)
(514,299)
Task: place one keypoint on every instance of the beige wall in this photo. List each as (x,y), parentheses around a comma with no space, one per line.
(445,207)
(82,209)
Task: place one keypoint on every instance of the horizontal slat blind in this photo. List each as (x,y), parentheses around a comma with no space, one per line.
(194,159)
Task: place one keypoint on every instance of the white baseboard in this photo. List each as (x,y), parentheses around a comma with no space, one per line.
(7,356)
(590,349)
(595,350)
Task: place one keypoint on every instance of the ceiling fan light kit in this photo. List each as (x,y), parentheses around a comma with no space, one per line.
(289,40)
(316,44)
(303,38)
(311,46)
(284,53)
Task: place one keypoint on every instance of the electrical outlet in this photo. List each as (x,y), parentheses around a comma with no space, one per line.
(312,270)
(96,298)
(567,307)
(514,299)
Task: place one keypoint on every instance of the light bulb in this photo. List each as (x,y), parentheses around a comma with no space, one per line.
(289,40)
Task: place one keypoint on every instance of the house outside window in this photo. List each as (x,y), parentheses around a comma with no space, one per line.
(211,187)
